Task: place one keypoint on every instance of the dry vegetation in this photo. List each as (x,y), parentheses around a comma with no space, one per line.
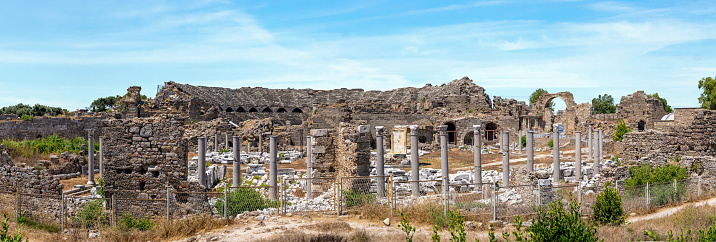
(693,218)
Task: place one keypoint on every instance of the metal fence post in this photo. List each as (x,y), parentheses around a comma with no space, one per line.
(495,199)
(446,194)
(647,194)
(539,194)
(339,195)
(580,198)
(62,210)
(19,204)
(114,211)
(391,197)
(226,199)
(169,205)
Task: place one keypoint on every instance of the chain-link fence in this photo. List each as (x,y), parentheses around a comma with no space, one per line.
(237,200)
(40,208)
(369,194)
(475,200)
(309,195)
(516,200)
(88,212)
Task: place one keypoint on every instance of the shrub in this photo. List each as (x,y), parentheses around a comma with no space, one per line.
(524,141)
(92,214)
(554,223)
(406,227)
(357,197)
(621,129)
(128,222)
(436,233)
(26,221)
(244,199)
(550,143)
(608,208)
(457,227)
(4,236)
(646,173)
(26,117)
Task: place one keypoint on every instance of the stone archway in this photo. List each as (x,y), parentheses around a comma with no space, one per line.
(641,125)
(569,121)
(469,138)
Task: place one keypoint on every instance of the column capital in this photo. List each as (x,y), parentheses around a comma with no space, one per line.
(379,130)
(476,127)
(413,130)
(530,132)
(442,129)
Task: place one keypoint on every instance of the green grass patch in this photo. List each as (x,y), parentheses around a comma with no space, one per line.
(44,146)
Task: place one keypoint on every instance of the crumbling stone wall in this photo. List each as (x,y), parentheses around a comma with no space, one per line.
(64,127)
(692,135)
(353,150)
(144,156)
(637,107)
(324,152)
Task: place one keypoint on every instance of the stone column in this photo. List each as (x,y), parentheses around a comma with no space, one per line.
(594,148)
(380,161)
(600,145)
(589,142)
(201,164)
(273,192)
(530,151)
(506,160)
(90,160)
(578,156)
(414,160)
(101,159)
(555,155)
(226,147)
(477,153)
(519,141)
(444,158)
(237,161)
(216,142)
(309,165)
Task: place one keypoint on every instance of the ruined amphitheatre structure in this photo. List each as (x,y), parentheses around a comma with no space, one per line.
(148,142)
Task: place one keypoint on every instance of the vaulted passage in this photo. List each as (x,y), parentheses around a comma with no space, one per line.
(281,110)
(490,131)
(253,110)
(240,110)
(297,110)
(451,132)
(266,110)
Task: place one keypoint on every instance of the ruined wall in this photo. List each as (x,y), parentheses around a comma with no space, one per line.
(64,127)
(693,132)
(353,150)
(637,107)
(324,152)
(144,155)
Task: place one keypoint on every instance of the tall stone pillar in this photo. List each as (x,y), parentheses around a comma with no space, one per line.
(226,147)
(590,143)
(578,156)
(237,162)
(309,165)
(519,141)
(380,161)
(201,164)
(555,154)
(530,151)
(477,153)
(414,160)
(600,145)
(506,160)
(444,158)
(90,160)
(273,192)
(216,142)
(101,159)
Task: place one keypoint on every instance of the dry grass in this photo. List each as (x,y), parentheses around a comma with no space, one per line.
(299,236)
(329,226)
(693,218)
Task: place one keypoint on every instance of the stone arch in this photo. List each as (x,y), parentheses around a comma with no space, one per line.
(266,110)
(297,110)
(240,110)
(451,132)
(469,138)
(229,109)
(546,98)
(491,131)
(641,125)
(570,118)
(253,110)
(281,110)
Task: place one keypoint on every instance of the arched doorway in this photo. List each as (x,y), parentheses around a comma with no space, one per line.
(469,138)
(229,109)
(281,110)
(490,131)
(241,110)
(297,110)
(640,126)
(253,110)
(266,110)
(451,132)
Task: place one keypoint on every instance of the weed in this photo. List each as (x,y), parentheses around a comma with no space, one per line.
(406,227)
(4,236)
(356,197)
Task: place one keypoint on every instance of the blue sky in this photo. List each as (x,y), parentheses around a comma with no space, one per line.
(68,53)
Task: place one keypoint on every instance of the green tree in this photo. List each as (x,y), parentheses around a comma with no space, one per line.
(535,96)
(555,223)
(608,208)
(36,110)
(604,104)
(708,97)
(620,131)
(667,108)
(103,104)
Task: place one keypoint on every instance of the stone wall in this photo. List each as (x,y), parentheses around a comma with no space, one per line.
(638,107)
(324,152)
(64,127)
(145,155)
(691,134)
(353,150)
